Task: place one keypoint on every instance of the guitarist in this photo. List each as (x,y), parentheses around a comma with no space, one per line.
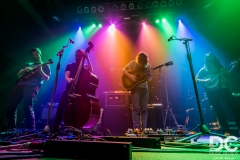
(139,94)
(213,66)
(70,73)
(27,90)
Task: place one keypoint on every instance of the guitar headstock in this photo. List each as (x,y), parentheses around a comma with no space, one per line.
(168,63)
(90,47)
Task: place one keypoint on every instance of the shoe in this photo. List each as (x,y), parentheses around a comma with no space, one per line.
(226,134)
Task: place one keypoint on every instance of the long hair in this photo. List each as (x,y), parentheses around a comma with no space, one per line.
(142,58)
(211,59)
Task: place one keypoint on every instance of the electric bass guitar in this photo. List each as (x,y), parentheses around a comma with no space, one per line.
(32,72)
(215,78)
(140,77)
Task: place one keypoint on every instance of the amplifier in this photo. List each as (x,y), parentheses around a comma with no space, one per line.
(121,99)
(45,108)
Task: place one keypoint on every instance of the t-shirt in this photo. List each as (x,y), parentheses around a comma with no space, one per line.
(133,66)
(72,68)
(36,79)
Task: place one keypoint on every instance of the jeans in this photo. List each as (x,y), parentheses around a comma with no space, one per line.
(139,98)
(27,93)
(63,102)
(226,96)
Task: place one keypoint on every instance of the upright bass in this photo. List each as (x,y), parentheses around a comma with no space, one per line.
(83,110)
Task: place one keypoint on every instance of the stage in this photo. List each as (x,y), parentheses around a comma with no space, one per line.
(44,146)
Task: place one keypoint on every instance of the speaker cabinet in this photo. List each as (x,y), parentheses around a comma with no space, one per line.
(44,115)
(42,121)
(117,120)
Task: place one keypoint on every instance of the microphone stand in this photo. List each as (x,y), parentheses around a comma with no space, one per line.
(203,128)
(60,53)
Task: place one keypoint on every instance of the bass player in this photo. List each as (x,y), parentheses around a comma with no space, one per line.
(27,89)
(139,94)
(70,72)
(213,71)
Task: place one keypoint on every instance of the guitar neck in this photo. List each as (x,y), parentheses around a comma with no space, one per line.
(158,66)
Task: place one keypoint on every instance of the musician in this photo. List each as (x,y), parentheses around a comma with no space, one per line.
(27,90)
(70,73)
(213,66)
(139,94)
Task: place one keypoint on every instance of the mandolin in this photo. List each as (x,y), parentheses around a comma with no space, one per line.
(140,76)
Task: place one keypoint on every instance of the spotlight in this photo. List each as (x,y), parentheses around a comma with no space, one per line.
(148,5)
(171,3)
(100,8)
(139,5)
(179,2)
(93,25)
(79,10)
(131,6)
(157,21)
(114,7)
(100,25)
(164,20)
(123,6)
(93,9)
(86,10)
(111,27)
(163,3)
(155,4)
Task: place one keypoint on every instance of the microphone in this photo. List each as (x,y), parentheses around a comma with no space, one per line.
(71,41)
(169,39)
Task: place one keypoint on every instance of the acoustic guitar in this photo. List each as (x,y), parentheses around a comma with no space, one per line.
(215,78)
(140,76)
(32,72)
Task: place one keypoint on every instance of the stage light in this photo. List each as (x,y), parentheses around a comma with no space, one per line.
(86,10)
(100,8)
(155,4)
(144,24)
(111,28)
(79,10)
(163,3)
(148,5)
(93,25)
(79,28)
(100,25)
(123,6)
(157,21)
(139,5)
(93,9)
(179,21)
(114,7)
(171,2)
(131,6)
(164,20)
(179,2)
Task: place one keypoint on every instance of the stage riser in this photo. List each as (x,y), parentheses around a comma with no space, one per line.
(88,149)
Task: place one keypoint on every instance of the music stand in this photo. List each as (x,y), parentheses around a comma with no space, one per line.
(203,128)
